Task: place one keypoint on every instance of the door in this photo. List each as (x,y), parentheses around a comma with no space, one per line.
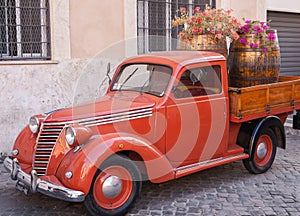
(197,116)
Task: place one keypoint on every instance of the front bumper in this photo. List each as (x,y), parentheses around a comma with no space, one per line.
(35,184)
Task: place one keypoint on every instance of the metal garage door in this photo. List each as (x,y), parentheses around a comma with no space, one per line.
(288,29)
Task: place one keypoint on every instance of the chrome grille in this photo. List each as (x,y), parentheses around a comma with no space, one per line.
(45,144)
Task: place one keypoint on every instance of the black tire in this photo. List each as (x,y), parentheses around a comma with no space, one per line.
(263,152)
(122,189)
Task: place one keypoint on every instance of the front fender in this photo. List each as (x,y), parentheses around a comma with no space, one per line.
(85,162)
(25,144)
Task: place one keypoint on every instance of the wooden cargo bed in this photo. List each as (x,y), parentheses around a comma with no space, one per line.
(263,100)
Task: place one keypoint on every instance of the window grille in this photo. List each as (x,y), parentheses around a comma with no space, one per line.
(25,30)
(154,22)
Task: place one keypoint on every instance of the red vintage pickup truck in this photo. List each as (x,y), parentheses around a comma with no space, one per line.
(164,116)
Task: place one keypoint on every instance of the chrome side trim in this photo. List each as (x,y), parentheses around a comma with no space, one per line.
(106,119)
(207,163)
(35,184)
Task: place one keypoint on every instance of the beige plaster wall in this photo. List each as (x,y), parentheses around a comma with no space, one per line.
(250,9)
(26,90)
(60,31)
(95,25)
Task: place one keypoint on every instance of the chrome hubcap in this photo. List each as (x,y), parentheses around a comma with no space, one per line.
(112,186)
(261,150)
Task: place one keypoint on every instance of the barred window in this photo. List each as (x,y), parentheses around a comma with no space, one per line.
(25,30)
(155,32)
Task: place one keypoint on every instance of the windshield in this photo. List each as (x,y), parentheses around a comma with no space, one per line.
(144,78)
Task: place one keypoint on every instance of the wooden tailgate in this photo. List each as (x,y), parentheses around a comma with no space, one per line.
(262,100)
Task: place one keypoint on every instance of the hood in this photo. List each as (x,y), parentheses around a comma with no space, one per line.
(112,103)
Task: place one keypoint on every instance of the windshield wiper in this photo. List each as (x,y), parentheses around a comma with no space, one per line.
(147,81)
(128,78)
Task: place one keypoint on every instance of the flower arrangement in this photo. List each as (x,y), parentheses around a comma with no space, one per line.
(260,38)
(217,22)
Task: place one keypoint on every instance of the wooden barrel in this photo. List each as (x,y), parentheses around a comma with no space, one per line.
(254,66)
(204,42)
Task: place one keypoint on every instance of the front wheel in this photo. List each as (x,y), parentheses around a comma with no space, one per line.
(116,185)
(263,152)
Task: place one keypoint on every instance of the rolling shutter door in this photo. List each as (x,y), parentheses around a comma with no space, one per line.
(288,30)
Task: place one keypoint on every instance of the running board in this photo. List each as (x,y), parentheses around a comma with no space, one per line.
(192,168)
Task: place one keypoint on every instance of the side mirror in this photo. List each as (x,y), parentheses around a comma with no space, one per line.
(174,88)
(107,72)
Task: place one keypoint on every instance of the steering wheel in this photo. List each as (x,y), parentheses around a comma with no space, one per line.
(196,76)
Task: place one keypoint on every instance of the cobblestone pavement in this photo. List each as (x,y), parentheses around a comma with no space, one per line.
(225,190)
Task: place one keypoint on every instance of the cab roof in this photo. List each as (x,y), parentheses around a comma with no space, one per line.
(177,57)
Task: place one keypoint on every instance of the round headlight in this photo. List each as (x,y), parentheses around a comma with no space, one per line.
(70,135)
(34,124)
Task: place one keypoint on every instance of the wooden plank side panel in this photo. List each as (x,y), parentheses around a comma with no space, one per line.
(297,94)
(263,100)
(280,96)
(253,101)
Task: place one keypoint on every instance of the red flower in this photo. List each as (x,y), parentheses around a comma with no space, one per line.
(195,30)
(219,36)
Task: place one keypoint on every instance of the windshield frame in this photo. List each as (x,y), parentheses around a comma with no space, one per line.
(120,70)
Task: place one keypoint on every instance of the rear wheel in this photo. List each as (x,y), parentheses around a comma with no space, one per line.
(263,152)
(115,187)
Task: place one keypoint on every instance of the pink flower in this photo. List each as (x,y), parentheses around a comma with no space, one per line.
(197,9)
(235,34)
(181,34)
(265,50)
(229,12)
(213,31)
(256,29)
(243,41)
(183,10)
(272,36)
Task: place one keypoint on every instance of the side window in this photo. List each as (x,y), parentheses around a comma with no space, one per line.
(199,81)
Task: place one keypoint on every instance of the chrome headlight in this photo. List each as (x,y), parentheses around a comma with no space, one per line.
(70,135)
(34,124)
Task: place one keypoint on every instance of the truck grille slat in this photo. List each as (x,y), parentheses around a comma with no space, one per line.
(46,141)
